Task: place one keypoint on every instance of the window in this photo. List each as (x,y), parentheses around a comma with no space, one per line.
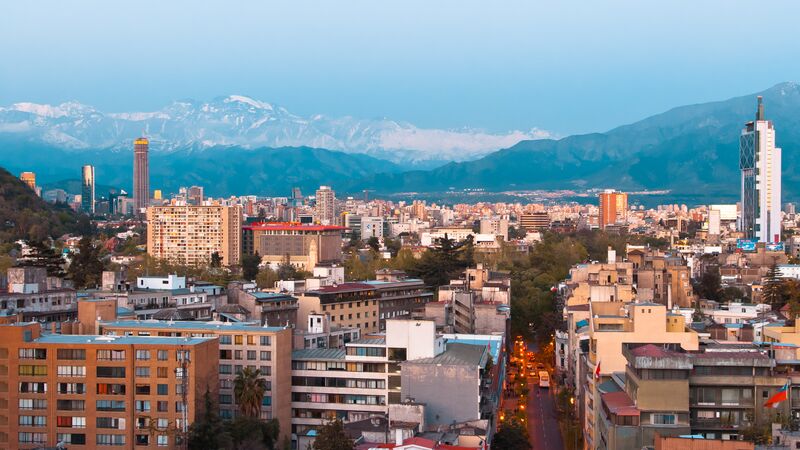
(251,355)
(266,401)
(71,388)
(163,355)
(110,389)
(161,372)
(70,405)
(33,421)
(251,340)
(183,355)
(266,356)
(162,389)
(32,353)
(71,371)
(142,439)
(143,372)
(162,424)
(32,371)
(32,438)
(662,419)
(31,387)
(110,439)
(225,369)
(110,405)
(238,339)
(110,372)
(162,440)
(71,422)
(111,355)
(266,371)
(142,389)
(265,340)
(143,355)
(162,406)
(73,438)
(109,422)
(225,339)
(225,399)
(142,405)
(237,354)
(32,403)
(70,353)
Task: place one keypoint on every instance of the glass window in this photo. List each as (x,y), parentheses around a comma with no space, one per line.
(163,389)
(163,355)
(143,372)
(143,355)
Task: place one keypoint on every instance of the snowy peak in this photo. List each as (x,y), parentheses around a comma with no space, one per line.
(238,120)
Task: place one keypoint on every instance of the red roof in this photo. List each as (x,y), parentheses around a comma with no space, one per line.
(620,404)
(290,226)
(653,351)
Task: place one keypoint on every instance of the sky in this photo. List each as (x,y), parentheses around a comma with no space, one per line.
(563,66)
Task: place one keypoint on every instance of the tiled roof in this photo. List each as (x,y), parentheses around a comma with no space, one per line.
(620,404)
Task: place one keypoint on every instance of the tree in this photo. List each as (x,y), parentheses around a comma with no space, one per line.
(772,287)
(43,255)
(444,261)
(374,243)
(207,432)
(249,389)
(216,260)
(252,433)
(86,268)
(331,436)
(250,266)
(512,435)
(710,284)
(266,278)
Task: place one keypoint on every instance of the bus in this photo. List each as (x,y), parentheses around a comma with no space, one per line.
(544,379)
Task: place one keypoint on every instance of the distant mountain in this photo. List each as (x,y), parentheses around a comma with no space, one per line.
(691,150)
(223,172)
(238,121)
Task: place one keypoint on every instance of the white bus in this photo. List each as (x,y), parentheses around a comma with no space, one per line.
(544,379)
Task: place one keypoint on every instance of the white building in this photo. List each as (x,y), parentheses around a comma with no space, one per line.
(168,282)
(760,163)
(325,210)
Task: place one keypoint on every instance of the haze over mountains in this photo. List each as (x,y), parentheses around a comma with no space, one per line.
(690,150)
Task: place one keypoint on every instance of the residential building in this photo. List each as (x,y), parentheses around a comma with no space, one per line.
(269,308)
(535,221)
(495,226)
(325,209)
(240,345)
(38,297)
(93,391)
(661,278)
(191,234)
(320,334)
(760,164)
(87,189)
(141,175)
(304,246)
(613,208)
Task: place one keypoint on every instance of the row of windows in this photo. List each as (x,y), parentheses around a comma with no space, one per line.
(336,366)
(163,355)
(33,421)
(251,355)
(366,351)
(348,399)
(238,339)
(338,382)
(161,389)
(349,305)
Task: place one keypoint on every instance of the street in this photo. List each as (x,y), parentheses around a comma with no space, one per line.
(539,410)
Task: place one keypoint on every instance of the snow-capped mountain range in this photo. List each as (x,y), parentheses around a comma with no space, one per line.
(245,122)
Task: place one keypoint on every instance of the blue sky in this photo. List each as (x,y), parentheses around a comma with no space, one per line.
(557,65)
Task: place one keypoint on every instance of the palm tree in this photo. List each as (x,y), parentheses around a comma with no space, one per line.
(249,389)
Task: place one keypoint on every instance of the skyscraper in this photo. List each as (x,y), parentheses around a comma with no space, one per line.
(325,210)
(28,178)
(87,190)
(613,207)
(141,175)
(760,163)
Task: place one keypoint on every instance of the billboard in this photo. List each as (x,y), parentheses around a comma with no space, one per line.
(776,247)
(746,245)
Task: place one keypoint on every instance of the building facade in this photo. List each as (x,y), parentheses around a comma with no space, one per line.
(325,209)
(613,208)
(191,234)
(304,245)
(141,175)
(87,189)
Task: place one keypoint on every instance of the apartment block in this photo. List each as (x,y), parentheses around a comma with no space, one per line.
(97,391)
(304,245)
(190,234)
(240,345)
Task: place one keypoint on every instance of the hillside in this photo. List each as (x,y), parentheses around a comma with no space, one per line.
(26,216)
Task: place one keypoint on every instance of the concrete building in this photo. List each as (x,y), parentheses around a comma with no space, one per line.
(613,208)
(760,164)
(325,209)
(662,278)
(372,227)
(191,234)
(87,189)
(141,175)
(495,226)
(320,334)
(240,345)
(29,178)
(269,308)
(535,221)
(305,245)
(94,391)
(38,297)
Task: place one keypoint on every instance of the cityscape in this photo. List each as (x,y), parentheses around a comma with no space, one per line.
(226,274)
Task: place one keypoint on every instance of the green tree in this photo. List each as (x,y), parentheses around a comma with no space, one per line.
(512,435)
(444,261)
(252,433)
(374,243)
(208,432)
(249,389)
(772,286)
(332,436)
(216,260)
(250,266)
(266,278)
(709,286)
(86,268)
(44,255)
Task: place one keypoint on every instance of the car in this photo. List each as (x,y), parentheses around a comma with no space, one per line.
(544,379)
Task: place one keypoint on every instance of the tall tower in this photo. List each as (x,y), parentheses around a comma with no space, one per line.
(87,190)
(141,175)
(613,207)
(326,206)
(760,163)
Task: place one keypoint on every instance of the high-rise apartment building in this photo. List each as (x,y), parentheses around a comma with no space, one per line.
(325,211)
(190,234)
(28,178)
(90,392)
(87,189)
(141,175)
(194,195)
(760,163)
(613,207)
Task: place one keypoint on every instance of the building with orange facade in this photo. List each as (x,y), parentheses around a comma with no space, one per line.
(89,391)
(613,207)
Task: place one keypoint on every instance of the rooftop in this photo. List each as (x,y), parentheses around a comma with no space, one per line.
(369,341)
(290,226)
(317,354)
(456,354)
(120,340)
(620,403)
(189,325)
(271,296)
(344,287)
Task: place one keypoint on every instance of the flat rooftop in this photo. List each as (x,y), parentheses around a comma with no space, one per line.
(119,340)
(189,325)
